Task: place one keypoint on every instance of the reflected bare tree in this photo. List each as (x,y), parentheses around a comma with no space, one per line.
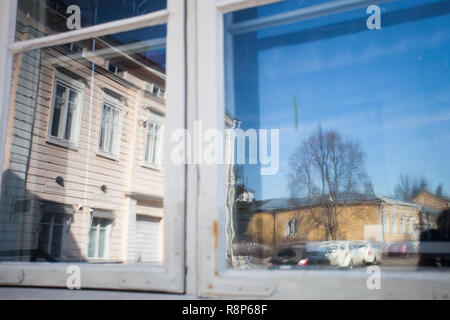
(327,171)
(408,187)
(439,190)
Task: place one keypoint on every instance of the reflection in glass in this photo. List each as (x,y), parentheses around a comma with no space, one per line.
(46,17)
(76,175)
(363,120)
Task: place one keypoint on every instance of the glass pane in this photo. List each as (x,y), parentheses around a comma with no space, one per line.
(155,144)
(92,242)
(71,113)
(101,242)
(58,219)
(57,241)
(149,142)
(44,234)
(47,17)
(46,218)
(338,135)
(60,170)
(57,111)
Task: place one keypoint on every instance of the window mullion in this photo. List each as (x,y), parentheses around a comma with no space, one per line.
(50,235)
(97,239)
(143,21)
(63,115)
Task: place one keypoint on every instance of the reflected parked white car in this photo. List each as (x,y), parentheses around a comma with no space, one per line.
(372,252)
(346,254)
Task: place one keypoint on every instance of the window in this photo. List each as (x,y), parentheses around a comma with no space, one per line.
(291,228)
(115,69)
(110,128)
(157,91)
(409,223)
(153,137)
(99,238)
(52,15)
(386,223)
(73,47)
(55,219)
(154,90)
(299,75)
(402,224)
(59,97)
(51,231)
(66,111)
(287,72)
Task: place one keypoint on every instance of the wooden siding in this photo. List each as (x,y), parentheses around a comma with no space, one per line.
(33,163)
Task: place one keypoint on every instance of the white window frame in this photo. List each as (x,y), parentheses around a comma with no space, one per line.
(107,239)
(206,207)
(149,87)
(65,225)
(118,105)
(170,276)
(118,71)
(158,120)
(74,85)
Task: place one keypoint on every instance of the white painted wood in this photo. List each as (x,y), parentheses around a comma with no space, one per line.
(9,293)
(174,183)
(225,6)
(46,160)
(302,14)
(146,20)
(192,182)
(7,32)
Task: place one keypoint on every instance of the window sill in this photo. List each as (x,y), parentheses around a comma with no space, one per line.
(152,167)
(17,293)
(103,261)
(62,143)
(108,156)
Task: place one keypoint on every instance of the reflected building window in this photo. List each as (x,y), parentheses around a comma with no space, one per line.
(99,238)
(66,110)
(153,140)
(109,140)
(394,220)
(291,228)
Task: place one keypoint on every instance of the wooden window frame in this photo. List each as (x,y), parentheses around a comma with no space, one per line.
(65,225)
(158,120)
(170,276)
(107,240)
(117,105)
(206,186)
(74,85)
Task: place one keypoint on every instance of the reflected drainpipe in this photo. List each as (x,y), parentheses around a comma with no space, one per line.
(380,209)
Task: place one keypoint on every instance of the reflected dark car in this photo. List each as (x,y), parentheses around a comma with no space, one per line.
(318,257)
(298,256)
(288,257)
(402,249)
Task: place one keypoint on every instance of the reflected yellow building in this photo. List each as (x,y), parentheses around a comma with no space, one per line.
(382,219)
